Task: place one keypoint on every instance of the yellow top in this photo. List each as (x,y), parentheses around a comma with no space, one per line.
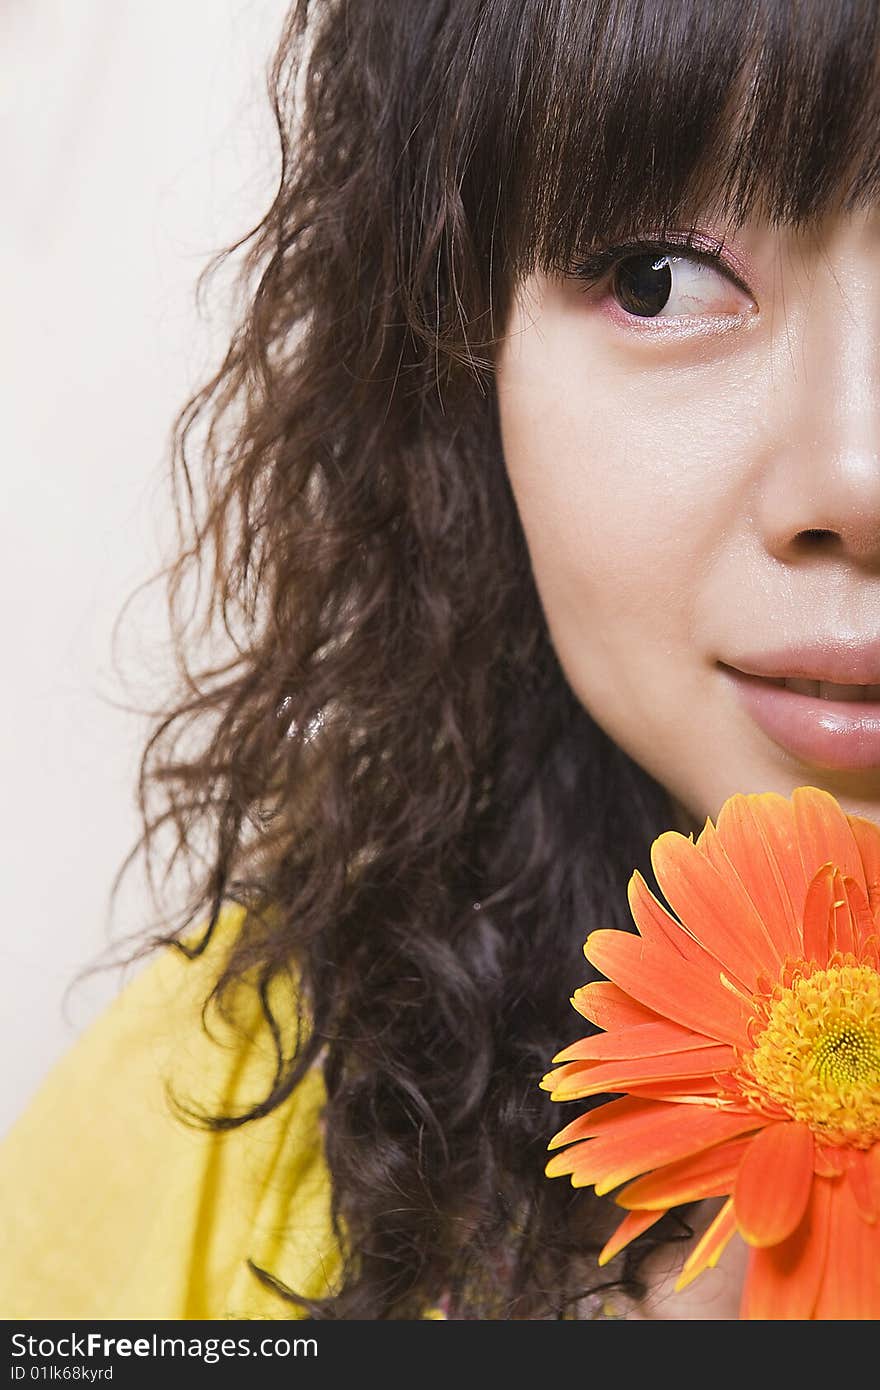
(111,1207)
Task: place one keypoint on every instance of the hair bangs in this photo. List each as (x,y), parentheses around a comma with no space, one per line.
(638,117)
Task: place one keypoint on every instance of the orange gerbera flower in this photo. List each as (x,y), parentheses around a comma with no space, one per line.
(743,1041)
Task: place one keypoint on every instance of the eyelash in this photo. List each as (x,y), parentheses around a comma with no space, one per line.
(592,266)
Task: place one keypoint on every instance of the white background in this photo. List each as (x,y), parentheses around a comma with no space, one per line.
(135,140)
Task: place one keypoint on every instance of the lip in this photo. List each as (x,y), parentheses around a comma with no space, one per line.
(838,735)
(841,662)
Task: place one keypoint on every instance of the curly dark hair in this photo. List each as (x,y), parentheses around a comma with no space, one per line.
(387,767)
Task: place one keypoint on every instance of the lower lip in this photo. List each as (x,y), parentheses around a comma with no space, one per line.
(833,734)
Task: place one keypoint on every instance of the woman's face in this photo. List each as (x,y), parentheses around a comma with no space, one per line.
(696,463)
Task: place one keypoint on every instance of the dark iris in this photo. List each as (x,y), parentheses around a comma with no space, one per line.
(643,284)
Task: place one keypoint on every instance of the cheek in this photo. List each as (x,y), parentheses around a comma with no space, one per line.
(625,495)
(614,528)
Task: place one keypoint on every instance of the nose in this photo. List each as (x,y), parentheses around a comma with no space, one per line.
(820,487)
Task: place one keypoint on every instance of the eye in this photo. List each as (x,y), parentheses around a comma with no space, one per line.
(672,286)
(661,279)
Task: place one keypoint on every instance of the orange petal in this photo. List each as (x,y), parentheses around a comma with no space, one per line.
(657,927)
(863,1175)
(773,1184)
(568,1077)
(709,1248)
(632,1225)
(606,1005)
(760,840)
(853,922)
(870,952)
(824,833)
(722,918)
(830,1161)
(576,1080)
(867,836)
(850,1288)
(836,915)
(644,1040)
(782,1282)
(819,914)
(711,1173)
(624,1116)
(688,994)
(668,1133)
(576,1051)
(711,846)
(691,1090)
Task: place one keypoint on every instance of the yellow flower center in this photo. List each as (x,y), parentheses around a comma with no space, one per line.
(816,1052)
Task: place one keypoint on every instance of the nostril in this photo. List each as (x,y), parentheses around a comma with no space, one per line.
(817,534)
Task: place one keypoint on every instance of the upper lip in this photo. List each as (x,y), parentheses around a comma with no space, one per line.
(836,661)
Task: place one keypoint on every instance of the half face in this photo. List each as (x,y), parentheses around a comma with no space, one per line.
(693,441)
